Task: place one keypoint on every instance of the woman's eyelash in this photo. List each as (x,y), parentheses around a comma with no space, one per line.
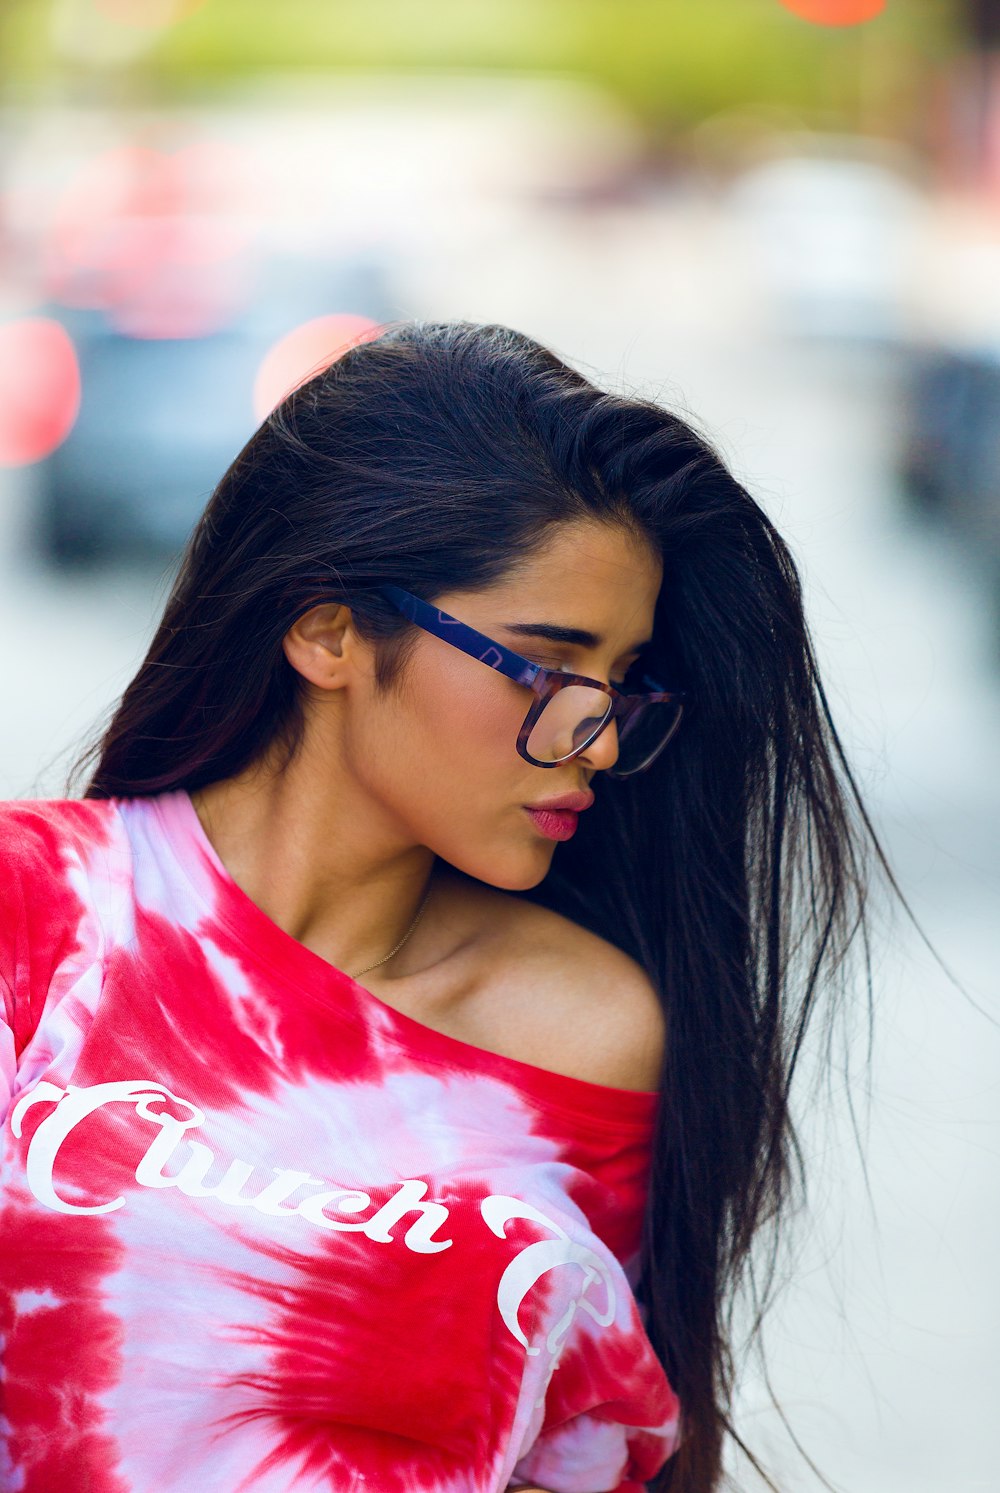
(561,669)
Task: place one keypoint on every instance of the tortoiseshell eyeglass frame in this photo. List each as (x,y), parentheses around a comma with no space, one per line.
(626,705)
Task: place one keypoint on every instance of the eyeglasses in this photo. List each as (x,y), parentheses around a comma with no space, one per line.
(569,711)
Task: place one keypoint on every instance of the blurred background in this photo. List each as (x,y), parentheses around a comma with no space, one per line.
(779,217)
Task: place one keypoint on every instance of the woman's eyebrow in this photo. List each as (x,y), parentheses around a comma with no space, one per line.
(556,634)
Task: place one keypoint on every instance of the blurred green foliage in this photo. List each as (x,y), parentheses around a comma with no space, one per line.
(672,61)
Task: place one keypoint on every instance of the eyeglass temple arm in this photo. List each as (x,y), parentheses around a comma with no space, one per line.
(460,635)
(477,645)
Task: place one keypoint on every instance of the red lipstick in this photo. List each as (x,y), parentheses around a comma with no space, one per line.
(556,826)
(557,818)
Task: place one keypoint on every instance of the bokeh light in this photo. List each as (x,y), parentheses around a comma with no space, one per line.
(158,241)
(835,12)
(308,348)
(39,389)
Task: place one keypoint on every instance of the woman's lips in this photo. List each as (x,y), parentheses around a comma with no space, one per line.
(555,824)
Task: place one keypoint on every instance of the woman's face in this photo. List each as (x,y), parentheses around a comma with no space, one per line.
(438,760)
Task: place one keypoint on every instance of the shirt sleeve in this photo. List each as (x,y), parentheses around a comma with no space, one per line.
(602,1449)
(610,1418)
(37,923)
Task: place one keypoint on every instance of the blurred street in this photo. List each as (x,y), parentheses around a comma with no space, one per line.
(779,218)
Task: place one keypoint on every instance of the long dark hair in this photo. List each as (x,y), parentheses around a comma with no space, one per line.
(735,869)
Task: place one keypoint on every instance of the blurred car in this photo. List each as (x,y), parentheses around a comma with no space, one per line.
(161,417)
(949,462)
(951,453)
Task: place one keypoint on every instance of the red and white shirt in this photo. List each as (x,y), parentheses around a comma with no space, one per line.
(261,1231)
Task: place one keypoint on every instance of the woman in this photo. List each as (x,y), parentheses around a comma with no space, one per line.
(400,1026)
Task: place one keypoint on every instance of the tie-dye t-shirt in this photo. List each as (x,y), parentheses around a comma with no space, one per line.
(261,1231)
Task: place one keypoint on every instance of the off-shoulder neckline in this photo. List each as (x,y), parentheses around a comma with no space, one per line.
(602,1106)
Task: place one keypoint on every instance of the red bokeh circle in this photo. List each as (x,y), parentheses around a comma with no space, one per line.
(39,389)
(835,12)
(304,351)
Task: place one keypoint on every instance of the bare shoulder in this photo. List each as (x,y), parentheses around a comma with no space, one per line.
(619,1020)
(572,1000)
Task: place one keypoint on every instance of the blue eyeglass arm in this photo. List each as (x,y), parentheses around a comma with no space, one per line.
(460,635)
(478,645)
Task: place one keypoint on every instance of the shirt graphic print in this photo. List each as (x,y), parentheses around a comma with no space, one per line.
(261,1232)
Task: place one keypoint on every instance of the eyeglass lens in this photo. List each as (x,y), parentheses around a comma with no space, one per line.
(573,715)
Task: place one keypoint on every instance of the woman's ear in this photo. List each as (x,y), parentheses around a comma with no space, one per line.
(322,645)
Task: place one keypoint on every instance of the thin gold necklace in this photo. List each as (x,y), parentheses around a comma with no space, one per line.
(405,936)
